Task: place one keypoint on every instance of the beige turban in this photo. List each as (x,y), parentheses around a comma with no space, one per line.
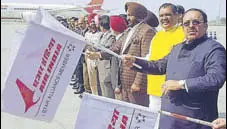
(136,9)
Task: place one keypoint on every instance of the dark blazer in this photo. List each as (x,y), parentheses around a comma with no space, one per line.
(202,64)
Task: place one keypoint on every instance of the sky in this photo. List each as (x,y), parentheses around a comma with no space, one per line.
(211,7)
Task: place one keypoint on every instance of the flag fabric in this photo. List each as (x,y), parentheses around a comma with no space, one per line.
(42,69)
(97,112)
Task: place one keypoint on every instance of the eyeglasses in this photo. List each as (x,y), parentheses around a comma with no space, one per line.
(194,22)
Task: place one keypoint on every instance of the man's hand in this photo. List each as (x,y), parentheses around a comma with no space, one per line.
(128,60)
(219,123)
(135,88)
(117,90)
(171,85)
(93,55)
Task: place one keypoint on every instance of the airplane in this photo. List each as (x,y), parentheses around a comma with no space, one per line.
(16,11)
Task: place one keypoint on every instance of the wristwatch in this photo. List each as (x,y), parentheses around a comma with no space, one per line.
(182,83)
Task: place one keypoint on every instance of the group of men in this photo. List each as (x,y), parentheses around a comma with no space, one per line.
(180,69)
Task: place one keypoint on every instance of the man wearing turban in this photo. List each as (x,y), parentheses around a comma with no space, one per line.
(137,43)
(92,36)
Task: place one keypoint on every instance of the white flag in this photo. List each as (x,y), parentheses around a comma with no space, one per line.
(98,112)
(42,69)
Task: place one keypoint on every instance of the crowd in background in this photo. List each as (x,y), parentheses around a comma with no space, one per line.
(135,34)
(101,76)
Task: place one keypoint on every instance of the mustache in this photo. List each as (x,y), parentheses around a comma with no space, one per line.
(192,30)
(164,20)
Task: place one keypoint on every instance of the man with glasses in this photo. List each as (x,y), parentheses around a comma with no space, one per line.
(195,71)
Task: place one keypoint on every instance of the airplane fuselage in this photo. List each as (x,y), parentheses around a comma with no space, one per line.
(15,11)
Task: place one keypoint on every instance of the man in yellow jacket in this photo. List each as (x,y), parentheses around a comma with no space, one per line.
(161,45)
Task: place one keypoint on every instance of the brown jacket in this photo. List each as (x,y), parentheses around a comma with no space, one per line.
(139,45)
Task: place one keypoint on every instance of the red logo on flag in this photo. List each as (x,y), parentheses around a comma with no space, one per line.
(27,94)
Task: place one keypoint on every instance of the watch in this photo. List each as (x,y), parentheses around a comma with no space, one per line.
(182,83)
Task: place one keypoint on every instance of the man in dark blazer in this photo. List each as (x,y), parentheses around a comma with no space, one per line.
(195,71)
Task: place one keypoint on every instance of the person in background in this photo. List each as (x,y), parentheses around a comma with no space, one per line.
(161,45)
(195,71)
(180,13)
(71,23)
(64,23)
(92,36)
(104,65)
(124,16)
(117,25)
(219,123)
(76,26)
(59,18)
(77,80)
(82,23)
(97,21)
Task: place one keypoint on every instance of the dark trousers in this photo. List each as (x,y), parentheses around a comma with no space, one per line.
(77,77)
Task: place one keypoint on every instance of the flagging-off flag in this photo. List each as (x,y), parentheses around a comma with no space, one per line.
(42,69)
(97,112)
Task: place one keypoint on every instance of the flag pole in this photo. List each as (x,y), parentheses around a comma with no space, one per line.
(102,48)
(178,116)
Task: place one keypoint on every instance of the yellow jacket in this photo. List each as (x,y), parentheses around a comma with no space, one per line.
(161,45)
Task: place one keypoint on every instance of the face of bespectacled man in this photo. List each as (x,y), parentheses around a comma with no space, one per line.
(193,25)
(167,18)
